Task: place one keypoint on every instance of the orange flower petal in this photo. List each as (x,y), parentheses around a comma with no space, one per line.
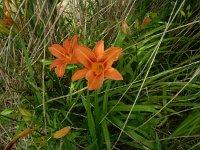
(112,73)
(84,55)
(111,55)
(61,133)
(74,42)
(57,63)
(66,45)
(60,70)
(70,45)
(79,74)
(74,60)
(58,51)
(99,49)
(94,81)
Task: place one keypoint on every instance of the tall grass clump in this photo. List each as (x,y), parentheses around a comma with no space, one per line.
(155,106)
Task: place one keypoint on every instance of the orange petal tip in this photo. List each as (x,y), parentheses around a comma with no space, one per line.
(61,133)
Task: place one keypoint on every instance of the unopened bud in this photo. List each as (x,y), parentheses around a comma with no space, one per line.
(145,21)
(125,28)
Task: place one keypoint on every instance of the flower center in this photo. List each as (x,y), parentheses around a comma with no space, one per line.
(98,68)
(68,57)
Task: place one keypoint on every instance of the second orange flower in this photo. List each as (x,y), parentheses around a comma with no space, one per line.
(65,55)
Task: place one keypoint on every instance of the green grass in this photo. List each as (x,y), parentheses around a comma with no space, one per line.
(157,104)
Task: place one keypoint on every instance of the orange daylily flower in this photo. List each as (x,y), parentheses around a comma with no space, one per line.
(98,64)
(7,19)
(65,55)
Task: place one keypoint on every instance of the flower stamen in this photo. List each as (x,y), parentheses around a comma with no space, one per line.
(98,68)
